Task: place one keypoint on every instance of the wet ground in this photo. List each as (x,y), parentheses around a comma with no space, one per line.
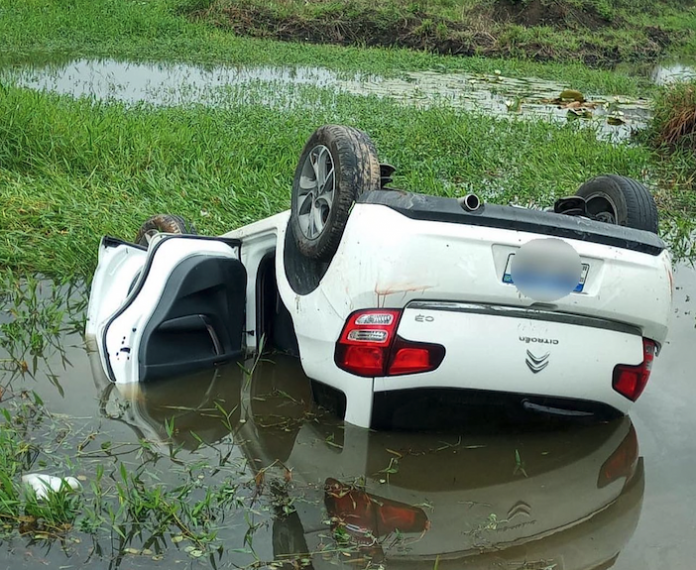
(311,492)
(612,117)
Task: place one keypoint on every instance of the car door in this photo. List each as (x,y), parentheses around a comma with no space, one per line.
(183,309)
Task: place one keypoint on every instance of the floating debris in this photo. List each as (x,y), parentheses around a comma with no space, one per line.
(616,120)
(571,95)
(579,113)
(43,485)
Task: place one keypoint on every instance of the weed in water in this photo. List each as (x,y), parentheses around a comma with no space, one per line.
(673,134)
(519,464)
(674,119)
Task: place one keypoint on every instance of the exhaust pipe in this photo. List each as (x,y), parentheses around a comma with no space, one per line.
(470,202)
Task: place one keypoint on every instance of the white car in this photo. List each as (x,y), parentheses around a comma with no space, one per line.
(387,296)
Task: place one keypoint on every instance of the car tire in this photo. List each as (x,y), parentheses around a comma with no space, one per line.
(620,200)
(337,164)
(163,223)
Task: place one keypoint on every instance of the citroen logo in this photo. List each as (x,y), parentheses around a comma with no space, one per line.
(520,508)
(537,363)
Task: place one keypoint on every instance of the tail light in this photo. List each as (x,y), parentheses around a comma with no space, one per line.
(621,463)
(630,381)
(369,346)
(364,514)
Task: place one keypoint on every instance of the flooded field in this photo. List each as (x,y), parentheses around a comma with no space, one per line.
(238,468)
(613,117)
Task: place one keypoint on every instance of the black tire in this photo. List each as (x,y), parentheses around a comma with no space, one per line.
(163,223)
(317,220)
(620,200)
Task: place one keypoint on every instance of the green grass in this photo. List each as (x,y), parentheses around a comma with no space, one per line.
(75,170)
(45,30)
(595,32)
(72,171)
(122,500)
(673,135)
(674,123)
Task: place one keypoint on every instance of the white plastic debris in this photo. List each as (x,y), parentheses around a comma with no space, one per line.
(45,484)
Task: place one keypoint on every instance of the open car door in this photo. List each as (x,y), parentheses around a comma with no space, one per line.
(175,307)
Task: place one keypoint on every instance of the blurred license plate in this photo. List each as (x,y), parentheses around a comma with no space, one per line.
(507,277)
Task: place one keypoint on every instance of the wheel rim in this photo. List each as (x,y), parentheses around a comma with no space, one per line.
(317,186)
(602,208)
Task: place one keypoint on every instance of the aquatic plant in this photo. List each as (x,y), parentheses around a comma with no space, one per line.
(674,119)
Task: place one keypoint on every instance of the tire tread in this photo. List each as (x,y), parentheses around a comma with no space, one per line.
(640,208)
(357,159)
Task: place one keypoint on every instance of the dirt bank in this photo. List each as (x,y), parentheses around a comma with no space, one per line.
(537,29)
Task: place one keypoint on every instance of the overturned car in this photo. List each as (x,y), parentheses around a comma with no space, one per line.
(386,295)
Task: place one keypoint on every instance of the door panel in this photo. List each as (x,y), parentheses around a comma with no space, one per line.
(185,311)
(198,321)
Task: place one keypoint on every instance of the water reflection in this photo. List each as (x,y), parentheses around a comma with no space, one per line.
(183,84)
(481,495)
(531,498)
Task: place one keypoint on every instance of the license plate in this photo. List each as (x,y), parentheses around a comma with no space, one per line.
(507,277)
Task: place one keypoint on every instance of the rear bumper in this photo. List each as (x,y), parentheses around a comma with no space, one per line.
(520,351)
(439,209)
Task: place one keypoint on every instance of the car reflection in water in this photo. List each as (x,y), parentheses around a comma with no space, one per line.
(555,497)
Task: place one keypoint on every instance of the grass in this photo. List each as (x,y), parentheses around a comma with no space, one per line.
(128,503)
(674,121)
(38,314)
(75,170)
(594,32)
(673,135)
(156,30)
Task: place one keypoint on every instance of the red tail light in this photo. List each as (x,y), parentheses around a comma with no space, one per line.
(362,513)
(411,357)
(363,347)
(369,346)
(630,381)
(621,463)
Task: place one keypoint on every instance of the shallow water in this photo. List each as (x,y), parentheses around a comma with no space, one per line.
(323,494)
(180,84)
(668,74)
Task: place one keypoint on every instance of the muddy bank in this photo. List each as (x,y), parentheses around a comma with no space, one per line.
(536,30)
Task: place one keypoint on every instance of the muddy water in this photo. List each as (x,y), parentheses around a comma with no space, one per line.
(483,495)
(179,84)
